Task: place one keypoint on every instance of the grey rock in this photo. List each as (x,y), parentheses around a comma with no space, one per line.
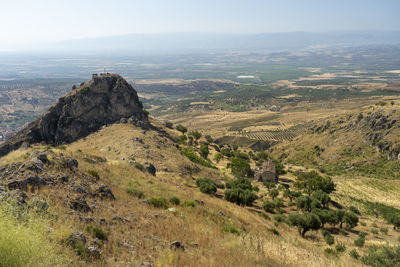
(80,204)
(104,100)
(94,253)
(104,192)
(75,238)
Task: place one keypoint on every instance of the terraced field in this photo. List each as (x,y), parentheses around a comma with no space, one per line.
(277,135)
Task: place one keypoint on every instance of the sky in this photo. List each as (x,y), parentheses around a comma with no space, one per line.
(35,21)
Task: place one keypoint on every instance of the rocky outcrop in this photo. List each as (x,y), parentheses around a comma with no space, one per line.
(106,99)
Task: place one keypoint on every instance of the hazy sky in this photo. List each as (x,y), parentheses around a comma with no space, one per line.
(25,21)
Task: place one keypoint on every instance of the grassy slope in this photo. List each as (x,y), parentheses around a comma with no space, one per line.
(151,230)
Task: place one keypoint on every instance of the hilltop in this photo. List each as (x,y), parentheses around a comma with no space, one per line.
(106,99)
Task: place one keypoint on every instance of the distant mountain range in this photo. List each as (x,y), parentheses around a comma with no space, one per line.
(218,42)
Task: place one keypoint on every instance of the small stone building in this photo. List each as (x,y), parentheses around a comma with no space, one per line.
(266,172)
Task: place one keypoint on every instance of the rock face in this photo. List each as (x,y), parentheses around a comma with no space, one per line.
(106,99)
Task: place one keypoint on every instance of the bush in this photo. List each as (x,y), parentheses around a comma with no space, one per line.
(189,204)
(329,239)
(139,166)
(209,139)
(240,167)
(240,196)
(181,128)
(273,230)
(340,248)
(350,219)
(362,234)
(354,210)
(135,192)
(278,203)
(374,231)
(175,201)
(280,218)
(206,185)
(189,153)
(329,251)
(273,193)
(169,124)
(312,181)
(326,216)
(359,242)
(158,202)
(204,151)
(94,174)
(97,232)
(322,197)
(218,156)
(268,206)
(305,222)
(325,232)
(269,185)
(354,254)
(196,134)
(229,228)
(384,231)
(384,256)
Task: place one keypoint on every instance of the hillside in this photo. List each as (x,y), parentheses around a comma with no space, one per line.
(135,192)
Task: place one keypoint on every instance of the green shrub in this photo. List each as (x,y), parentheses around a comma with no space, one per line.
(97,232)
(240,196)
(135,192)
(139,166)
(312,181)
(209,139)
(280,218)
(340,248)
(230,228)
(384,231)
(325,232)
(329,239)
(269,185)
(350,219)
(81,250)
(240,167)
(189,153)
(384,256)
(363,223)
(354,210)
(278,203)
(273,193)
(93,173)
(374,231)
(204,151)
(305,222)
(158,202)
(189,204)
(273,230)
(181,128)
(218,156)
(206,185)
(175,201)
(359,242)
(354,254)
(169,124)
(329,251)
(362,234)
